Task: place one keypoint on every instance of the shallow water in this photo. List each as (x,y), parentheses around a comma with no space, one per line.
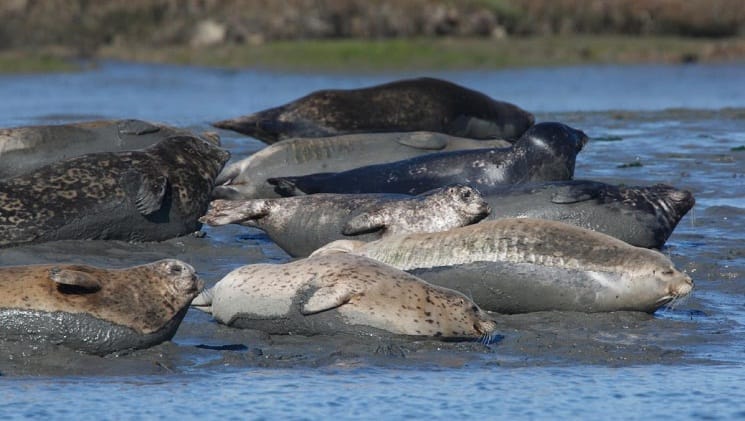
(675,124)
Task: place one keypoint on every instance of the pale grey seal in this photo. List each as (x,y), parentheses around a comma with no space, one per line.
(546,152)
(524,265)
(246,179)
(406,105)
(341,293)
(93,309)
(24,149)
(300,225)
(147,195)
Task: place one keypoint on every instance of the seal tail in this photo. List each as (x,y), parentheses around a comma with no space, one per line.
(203,301)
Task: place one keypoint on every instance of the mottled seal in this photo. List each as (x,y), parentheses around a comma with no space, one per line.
(401,106)
(93,309)
(524,265)
(147,195)
(340,292)
(546,152)
(246,179)
(640,216)
(24,149)
(302,224)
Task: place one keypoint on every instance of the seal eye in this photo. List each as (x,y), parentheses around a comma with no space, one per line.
(176,269)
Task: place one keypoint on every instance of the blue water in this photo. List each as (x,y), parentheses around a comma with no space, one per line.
(689,148)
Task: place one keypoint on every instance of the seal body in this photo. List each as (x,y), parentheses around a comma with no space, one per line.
(524,265)
(341,293)
(640,216)
(406,105)
(93,309)
(302,224)
(546,152)
(246,179)
(149,195)
(24,149)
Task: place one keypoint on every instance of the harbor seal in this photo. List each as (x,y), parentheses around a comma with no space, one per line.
(401,106)
(24,149)
(640,216)
(149,195)
(546,152)
(96,310)
(524,265)
(341,293)
(246,179)
(302,224)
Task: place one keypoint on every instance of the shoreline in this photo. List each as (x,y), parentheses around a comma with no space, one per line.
(376,56)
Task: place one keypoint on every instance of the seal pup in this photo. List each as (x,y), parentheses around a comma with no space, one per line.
(246,179)
(96,310)
(546,152)
(299,225)
(524,265)
(341,293)
(148,195)
(640,216)
(401,106)
(24,149)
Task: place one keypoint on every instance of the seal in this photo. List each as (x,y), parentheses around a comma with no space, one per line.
(341,293)
(524,265)
(246,179)
(96,310)
(302,224)
(24,149)
(426,104)
(642,216)
(149,195)
(546,152)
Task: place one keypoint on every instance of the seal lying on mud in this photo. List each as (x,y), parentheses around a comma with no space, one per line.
(341,292)
(24,149)
(96,310)
(524,265)
(406,105)
(246,179)
(546,152)
(640,216)
(149,195)
(300,225)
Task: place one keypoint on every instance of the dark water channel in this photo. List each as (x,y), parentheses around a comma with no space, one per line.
(680,125)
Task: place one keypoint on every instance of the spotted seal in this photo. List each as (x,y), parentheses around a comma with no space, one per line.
(300,225)
(246,179)
(524,265)
(148,195)
(642,216)
(24,149)
(405,105)
(96,310)
(341,293)
(546,152)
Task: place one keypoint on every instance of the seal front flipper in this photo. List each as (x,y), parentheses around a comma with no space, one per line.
(428,141)
(366,222)
(80,280)
(574,194)
(288,186)
(203,301)
(145,190)
(327,298)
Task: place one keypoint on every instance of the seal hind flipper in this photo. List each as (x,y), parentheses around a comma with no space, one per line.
(136,127)
(427,141)
(327,298)
(75,277)
(146,190)
(224,212)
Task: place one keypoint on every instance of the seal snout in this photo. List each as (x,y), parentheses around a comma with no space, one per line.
(185,278)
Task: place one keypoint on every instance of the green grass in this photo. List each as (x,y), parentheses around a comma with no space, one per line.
(21,62)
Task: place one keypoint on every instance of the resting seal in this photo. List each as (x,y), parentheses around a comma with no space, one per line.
(546,152)
(246,179)
(24,149)
(640,216)
(147,195)
(337,293)
(300,225)
(406,105)
(96,310)
(524,265)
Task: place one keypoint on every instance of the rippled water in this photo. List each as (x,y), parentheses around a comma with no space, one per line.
(680,123)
